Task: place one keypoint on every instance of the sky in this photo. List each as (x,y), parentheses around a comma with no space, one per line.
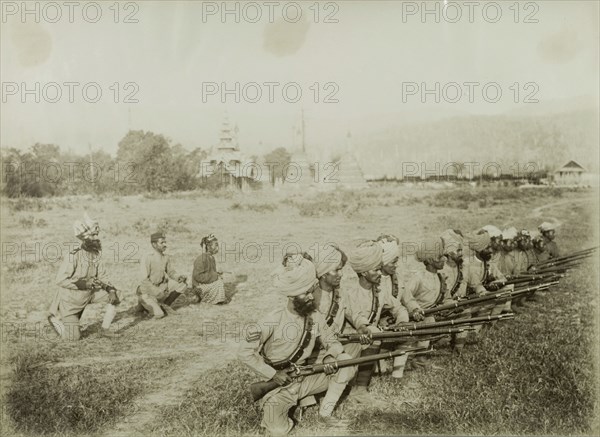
(365,64)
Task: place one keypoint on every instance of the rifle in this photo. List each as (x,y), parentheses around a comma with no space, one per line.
(452,322)
(559,263)
(259,389)
(500,296)
(532,277)
(103,285)
(581,253)
(397,335)
(529,278)
(564,266)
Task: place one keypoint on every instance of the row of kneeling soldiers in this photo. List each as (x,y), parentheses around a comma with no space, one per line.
(319,311)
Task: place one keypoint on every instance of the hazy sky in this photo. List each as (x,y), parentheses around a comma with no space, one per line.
(373,49)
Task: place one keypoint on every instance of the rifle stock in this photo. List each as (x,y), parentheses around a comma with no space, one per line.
(103,285)
(261,388)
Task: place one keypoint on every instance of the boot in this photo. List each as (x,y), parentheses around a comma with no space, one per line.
(57,325)
(168,310)
(421,362)
(109,315)
(108,333)
(171,298)
(332,422)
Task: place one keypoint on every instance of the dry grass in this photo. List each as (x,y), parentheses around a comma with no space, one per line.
(533,375)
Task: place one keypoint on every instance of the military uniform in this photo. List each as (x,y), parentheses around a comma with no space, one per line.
(70,301)
(365,307)
(455,279)
(274,341)
(479,274)
(522,261)
(424,290)
(551,248)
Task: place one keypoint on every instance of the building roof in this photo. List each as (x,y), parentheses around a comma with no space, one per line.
(571,167)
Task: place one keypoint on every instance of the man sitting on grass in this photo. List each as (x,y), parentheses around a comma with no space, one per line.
(83,281)
(206,279)
(155,292)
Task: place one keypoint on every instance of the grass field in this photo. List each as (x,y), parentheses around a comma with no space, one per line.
(537,374)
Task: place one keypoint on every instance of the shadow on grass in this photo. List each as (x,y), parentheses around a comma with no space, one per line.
(219,403)
(46,400)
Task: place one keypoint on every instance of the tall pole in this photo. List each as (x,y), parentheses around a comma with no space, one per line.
(92,172)
(303,133)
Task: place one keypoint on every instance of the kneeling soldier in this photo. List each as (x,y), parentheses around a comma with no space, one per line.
(286,337)
(84,281)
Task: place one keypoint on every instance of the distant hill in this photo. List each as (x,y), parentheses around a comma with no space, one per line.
(547,140)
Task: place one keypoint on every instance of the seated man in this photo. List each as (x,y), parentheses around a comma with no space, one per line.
(83,281)
(155,293)
(287,336)
(206,279)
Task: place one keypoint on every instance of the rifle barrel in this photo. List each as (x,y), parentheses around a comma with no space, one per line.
(452,322)
(261,388)
(498,295)
(584,253)
(353,338)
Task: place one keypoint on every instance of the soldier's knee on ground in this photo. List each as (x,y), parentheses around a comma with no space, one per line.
(275,418)
(71,331)
(151,305)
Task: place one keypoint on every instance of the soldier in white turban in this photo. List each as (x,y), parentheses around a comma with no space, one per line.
(83,280)
(548,231)
(390,286)
(288,336)
(427,288)
(367,301)
(539,252)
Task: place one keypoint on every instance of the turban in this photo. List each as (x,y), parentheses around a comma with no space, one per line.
(493,231)
(209,238)
(80,229)
(429,249)
(327,260)
(509,234)
(535,235)
(391,251)
(546,226)
(478,242)
(295,278)
(157,236)
(367,255)
(90,222)
(524,233)
(451,241)
(83,228)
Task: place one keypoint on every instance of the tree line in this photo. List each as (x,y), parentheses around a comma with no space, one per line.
(145,162)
